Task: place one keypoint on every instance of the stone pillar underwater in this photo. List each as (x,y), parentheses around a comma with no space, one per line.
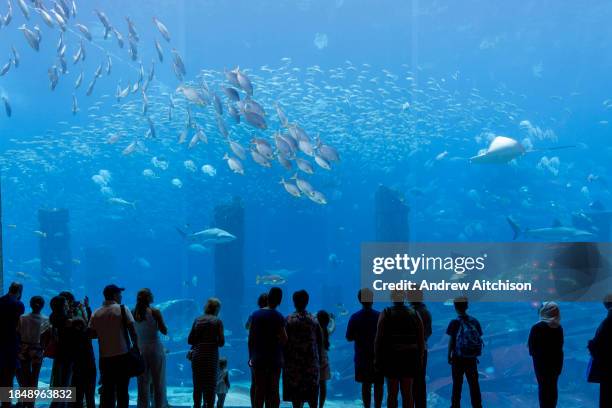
(229,264)
(391,216)
(55,252)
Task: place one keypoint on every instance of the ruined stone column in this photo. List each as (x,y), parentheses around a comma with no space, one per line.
(55,253)
(391,216)
(229,263)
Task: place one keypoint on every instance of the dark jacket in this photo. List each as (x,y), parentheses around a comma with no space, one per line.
(601,349)
(546,348)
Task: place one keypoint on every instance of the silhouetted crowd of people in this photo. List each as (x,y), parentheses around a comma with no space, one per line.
(390,346)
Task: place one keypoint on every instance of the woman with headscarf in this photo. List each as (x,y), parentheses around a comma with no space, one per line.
(546,349)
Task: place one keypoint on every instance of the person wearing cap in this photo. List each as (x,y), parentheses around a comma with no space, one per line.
(11,309)
(601,352)
(106,324)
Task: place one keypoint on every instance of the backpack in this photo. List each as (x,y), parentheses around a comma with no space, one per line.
(468,343)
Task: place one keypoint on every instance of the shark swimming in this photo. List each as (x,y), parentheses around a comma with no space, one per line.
(556,232)
(209,236)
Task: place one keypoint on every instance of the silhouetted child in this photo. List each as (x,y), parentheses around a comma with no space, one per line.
(223,384)
(324,320)
(464,348)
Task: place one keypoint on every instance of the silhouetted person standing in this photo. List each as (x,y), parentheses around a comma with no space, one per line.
(11,310)
(419,388)
(205,338)
(302,355)
(601,351)
(546,349)
(262,302)
(267,336)
(149,323)
(464,348)
(31,327)
(399,348)
(361,329)
(108,326)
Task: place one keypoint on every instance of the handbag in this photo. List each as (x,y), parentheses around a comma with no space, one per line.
(49,343)
(134,361)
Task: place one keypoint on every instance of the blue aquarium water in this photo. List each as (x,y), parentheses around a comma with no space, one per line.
(112,157)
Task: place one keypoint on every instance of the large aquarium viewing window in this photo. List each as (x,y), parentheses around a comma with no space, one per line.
(287,203)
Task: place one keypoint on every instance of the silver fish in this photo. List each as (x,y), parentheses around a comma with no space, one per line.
(7,106)
(281,116)
(255,120)
(53,77)
(238,150)
(162,29)
(291,188)
(78,81)
(75,106)
(132,30)
(61,22)
(245,82)
(84,30)
(263,147)
(15,57)
(178,61)
(304,165)
(46,17)
(122,93)
(24,8)
(6,67)
(133,50)
(63,65)
(119,38)
(9,14)
(31,38)
(160,51)
(90,88)
(260,159)
(234,164)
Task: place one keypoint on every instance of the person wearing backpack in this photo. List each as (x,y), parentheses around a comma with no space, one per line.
(398,349)
(464,347)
